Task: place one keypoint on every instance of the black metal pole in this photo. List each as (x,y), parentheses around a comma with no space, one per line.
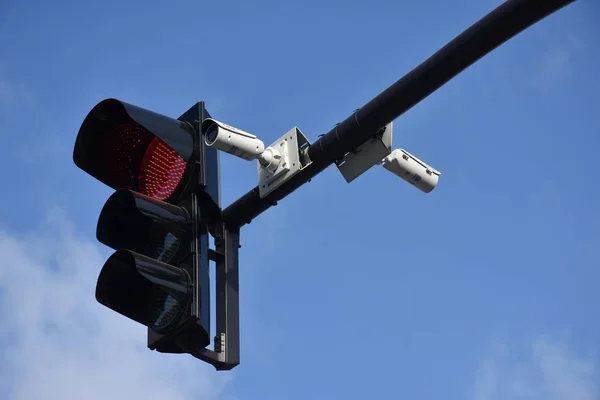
(506,21)
(227,341)
(226,353)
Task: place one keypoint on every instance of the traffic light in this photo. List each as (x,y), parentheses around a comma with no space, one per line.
(157,220)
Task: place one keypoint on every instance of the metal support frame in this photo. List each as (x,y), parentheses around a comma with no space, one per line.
(206,212)
(226,353)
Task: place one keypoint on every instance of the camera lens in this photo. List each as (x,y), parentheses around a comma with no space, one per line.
(211,133)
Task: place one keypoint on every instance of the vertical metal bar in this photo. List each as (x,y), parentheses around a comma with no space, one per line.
(200,247)
(227,342)
(201,232)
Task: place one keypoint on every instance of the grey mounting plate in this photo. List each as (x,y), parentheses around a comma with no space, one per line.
(289,146)
(356,163)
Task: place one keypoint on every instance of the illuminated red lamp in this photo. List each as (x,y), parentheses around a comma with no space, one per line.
(162,170)
(127,147)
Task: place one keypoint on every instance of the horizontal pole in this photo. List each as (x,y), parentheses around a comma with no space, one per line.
(497,27)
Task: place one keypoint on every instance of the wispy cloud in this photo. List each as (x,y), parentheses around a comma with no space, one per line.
(550,371)
(13,93)
(45,148)
(58,343)
(555,68)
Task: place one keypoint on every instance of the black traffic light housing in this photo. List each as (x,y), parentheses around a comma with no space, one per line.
(159,219)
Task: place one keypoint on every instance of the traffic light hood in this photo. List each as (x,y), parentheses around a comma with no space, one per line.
(125,146)
(137,222)
(152,293)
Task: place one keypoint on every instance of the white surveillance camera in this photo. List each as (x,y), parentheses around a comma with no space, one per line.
(412,170)
(231,140)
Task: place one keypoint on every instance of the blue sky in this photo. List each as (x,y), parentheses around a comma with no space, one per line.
(484,289)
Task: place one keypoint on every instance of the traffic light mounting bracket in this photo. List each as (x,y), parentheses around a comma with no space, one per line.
(226,347)
(206,212)
(226,353)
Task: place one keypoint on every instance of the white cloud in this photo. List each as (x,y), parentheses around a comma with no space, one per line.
(551,371)
(12,93)
(555,68)
(57,342)
(44,148)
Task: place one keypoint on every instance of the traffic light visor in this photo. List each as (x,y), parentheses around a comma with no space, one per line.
(140,223)
(145,290)
(125,146)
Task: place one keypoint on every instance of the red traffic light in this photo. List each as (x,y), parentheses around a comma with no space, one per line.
(161,171)
(158,275)
(127,147)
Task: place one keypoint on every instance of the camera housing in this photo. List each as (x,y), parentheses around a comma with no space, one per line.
(231,140)
(414,171)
